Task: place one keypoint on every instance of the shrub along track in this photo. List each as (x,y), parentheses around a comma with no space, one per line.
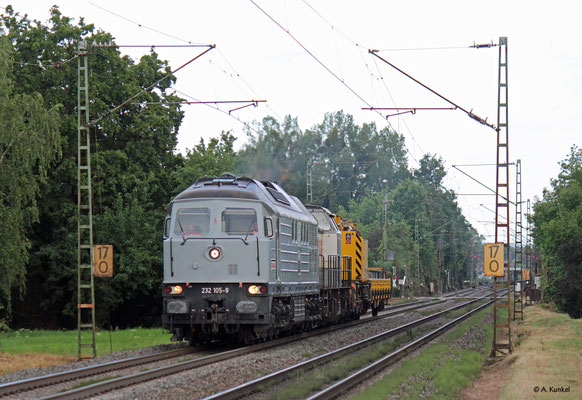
(117,382)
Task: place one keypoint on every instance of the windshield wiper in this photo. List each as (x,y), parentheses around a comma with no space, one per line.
(182,229)
(249,231)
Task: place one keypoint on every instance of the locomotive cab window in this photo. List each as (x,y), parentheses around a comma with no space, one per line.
(192,222)
(268,227)
(239,221)
(167,227)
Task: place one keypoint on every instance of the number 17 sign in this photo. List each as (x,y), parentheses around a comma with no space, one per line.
(103,260)
(494,259)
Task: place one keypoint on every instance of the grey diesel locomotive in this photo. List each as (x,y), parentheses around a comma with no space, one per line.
(244,259)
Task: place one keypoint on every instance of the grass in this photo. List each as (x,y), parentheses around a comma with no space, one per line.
(549,355)
(65,342)
(23,348)
(323,375)
(440,370)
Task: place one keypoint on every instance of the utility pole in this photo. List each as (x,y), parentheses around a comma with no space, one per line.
(416,238)
(309,183)
(385,231)
(528,262)
(85,284)
(518,273)
(452,266)
(310,165)
(502,329)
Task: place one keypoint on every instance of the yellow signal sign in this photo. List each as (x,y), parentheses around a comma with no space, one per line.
(494,259)
(103,260)
(525,274)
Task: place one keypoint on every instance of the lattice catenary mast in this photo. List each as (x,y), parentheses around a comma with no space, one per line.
(518,263)
(502,328)
(85,284)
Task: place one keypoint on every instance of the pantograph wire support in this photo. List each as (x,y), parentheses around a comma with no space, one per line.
(469,113)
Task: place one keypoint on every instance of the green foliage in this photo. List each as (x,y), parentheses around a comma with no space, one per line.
(23,341)
(136,173)
(439,371)
(431,171)
(425,228)
(135,230)
(212,160)
(558,234)
(133,161)
(355,169)
(29,145)
(348,161)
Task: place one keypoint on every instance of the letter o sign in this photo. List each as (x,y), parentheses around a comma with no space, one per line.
(103,260)
(494,259)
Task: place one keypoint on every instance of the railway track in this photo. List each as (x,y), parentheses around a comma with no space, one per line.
(370,370)
(116,383)
(52,379)
(359,376)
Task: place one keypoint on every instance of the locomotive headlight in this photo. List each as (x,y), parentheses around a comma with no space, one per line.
(173,289)
(257,289)
(214,253)
(177,289)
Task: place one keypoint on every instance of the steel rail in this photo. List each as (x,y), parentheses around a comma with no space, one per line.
(64,376)
(457,292)
(253,386)
(116,383)
(69,375)
(354,379)
(51,379)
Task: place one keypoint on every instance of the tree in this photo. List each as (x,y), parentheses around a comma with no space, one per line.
(131,148)
(214,159)
(431,171)
(348,161)
(273,153)
(29,145)
(558,234)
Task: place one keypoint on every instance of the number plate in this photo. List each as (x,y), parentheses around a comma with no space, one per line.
(215,290)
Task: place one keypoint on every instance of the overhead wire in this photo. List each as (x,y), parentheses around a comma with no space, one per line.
(394,102)
(482,184)
(467,203)
(49,63)
(210,47)
(378,69)
(311,54)
(333,26)
(140,25)
(469,113)
(246,124)
(428,48)
(359,47)
(246,84)
(347,180)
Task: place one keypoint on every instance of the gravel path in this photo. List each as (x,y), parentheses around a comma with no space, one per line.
(205,381)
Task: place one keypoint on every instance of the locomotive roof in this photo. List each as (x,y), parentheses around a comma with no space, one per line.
(267,192)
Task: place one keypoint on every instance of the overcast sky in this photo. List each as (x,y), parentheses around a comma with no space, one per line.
(256,59)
